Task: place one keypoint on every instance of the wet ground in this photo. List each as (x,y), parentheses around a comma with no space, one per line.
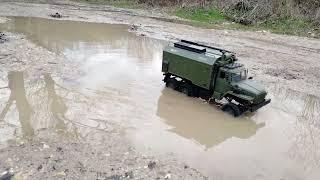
(80,99)
(110,80)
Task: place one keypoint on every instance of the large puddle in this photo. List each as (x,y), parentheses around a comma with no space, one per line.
(120,84)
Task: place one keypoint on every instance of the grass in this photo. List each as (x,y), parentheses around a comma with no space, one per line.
(211,15)
(212,18)
(288,26)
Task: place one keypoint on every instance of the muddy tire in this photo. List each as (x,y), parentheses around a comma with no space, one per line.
(231,109)
(214,101)
(172,83)
(166,78)
(187,89)
(243,109)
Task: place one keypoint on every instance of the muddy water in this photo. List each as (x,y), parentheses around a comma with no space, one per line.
(117,81)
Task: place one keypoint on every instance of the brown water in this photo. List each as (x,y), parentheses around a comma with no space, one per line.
(118,83)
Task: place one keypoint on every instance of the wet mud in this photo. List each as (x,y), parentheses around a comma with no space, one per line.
(60,114)
(106,82)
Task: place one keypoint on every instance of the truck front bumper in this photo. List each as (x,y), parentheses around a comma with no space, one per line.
(255,107)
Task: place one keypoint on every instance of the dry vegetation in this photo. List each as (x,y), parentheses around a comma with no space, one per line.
(293,17)
(251,9)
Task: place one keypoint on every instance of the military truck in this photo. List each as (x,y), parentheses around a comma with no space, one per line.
(213,74)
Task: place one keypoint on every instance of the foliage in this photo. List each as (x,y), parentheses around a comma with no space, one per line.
(294,17)
(288,26)
(211,15)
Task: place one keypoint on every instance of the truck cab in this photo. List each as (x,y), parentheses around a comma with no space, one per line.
(233,84)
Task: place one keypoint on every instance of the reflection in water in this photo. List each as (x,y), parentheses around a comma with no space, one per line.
(311,110)
(204,124)
(307,141)
(102,58)
(68,37)
(306,130)
(56,103)
(18,95)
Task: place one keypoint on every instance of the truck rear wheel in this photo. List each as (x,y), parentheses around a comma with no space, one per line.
(231,109)
(187,89)
(172,83)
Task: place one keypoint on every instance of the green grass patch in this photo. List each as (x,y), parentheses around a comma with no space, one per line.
(287,26)
(212,18)
(211,15)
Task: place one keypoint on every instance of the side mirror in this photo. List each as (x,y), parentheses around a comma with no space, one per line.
(250,78)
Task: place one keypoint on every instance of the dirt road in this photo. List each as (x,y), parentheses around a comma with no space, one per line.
(61,83)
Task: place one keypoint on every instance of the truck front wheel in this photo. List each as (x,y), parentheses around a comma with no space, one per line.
(232,109)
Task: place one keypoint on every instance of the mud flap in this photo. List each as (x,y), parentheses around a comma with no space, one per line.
(260,105)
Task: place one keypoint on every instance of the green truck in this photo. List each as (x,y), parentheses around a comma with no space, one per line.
(213,74)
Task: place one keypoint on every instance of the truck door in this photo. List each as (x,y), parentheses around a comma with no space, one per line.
(222,84)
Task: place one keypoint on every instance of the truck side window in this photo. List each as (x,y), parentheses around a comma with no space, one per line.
(222,75)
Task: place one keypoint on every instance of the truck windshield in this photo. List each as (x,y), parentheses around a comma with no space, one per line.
(238,76)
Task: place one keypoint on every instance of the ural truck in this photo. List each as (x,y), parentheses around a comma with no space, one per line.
(213,74)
